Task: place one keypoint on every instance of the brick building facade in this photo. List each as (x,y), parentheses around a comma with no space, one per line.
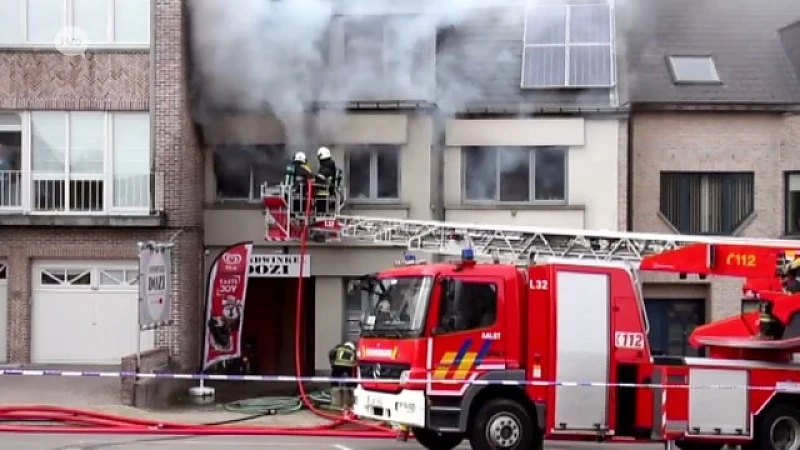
(714,140)
(72,211)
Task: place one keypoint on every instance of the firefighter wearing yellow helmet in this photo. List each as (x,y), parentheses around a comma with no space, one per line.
(791,276)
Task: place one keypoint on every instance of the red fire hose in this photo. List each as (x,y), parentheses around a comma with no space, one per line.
(88,422)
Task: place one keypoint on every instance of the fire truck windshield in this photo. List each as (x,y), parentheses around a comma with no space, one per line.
(397,307)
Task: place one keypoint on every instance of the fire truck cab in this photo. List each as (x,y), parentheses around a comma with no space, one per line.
(505,356)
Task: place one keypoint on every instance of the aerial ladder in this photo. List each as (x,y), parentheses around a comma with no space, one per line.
(758,261)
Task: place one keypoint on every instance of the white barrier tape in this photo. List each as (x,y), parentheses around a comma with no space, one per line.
(786,387)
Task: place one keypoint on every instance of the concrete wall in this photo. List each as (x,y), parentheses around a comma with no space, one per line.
(593,167)
(761,143)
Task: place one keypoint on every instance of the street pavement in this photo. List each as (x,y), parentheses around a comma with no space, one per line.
(77,442)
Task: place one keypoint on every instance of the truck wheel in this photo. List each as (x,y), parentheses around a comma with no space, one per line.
(437,441)
(779,429)
(503,424)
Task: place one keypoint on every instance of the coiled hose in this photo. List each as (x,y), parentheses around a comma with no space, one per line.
(281,405)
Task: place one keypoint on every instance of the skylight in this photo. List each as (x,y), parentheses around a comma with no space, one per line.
(693,70)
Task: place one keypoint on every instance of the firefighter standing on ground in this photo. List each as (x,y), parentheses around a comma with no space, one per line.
(343,364)
(296,177)
(327,181)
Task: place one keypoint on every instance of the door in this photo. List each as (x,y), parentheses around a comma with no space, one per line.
(671,323)
(86,313)
(468,339)
(3,312)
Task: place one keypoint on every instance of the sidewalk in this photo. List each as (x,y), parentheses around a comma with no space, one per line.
(103,395)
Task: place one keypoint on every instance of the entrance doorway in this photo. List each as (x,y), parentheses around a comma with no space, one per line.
(671,323)
(269,325)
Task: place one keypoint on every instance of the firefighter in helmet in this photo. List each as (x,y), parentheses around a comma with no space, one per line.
(343,365)
(791,277)
(296,178)
(327,181)
(343,361)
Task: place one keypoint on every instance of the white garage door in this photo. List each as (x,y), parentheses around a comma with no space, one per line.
(3,312)
(85,313)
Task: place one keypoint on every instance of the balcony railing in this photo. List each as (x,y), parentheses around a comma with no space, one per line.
(95,194)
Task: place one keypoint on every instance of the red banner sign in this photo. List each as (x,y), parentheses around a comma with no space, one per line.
(227,285)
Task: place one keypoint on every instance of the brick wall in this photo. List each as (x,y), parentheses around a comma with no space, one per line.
(50,80)
(116,81)
(179,156)
(715,142)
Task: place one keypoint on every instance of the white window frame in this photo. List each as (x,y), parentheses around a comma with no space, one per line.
(69,15)
(18,128)
(531,179)
(93,268)
(567,45)
(107,177)
(678,79)
(373,173)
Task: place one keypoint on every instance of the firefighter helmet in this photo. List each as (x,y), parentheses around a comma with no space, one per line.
(323,153)
(300,157)
(792,266)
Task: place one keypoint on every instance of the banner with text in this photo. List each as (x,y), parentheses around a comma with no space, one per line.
(155,285)
(226,290)
(279,266)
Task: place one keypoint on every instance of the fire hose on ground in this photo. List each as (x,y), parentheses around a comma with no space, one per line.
(53,419)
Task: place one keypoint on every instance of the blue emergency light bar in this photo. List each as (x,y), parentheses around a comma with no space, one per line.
(467,254)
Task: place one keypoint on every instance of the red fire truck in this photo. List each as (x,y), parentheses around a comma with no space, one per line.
(552,343)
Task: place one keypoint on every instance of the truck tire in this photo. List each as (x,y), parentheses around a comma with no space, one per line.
(779,428)
(503,424)
(436,441)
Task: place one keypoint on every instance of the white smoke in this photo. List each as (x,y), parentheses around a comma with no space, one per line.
(273,55)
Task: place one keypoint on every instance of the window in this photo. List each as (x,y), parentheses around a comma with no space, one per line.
(793,203)
(373,172)
(693,70)
(80,160)
(242,169)
(515,174)
(10,161)
(568,46)
(468,305)
(375,58)
(356,303)
(3,272)
(707,203)
(671,323)
(66,277)
(749,305)
(92,22)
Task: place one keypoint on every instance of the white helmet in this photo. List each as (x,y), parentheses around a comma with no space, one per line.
(350,345)
(300,157)
(323,153)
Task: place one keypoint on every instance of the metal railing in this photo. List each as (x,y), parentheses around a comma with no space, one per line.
(48,192)
(295,196)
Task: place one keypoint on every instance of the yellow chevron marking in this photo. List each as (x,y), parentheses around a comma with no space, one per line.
(444,365)
(465,366)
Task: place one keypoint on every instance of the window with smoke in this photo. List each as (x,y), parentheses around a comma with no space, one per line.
(240,170)
(514,174)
